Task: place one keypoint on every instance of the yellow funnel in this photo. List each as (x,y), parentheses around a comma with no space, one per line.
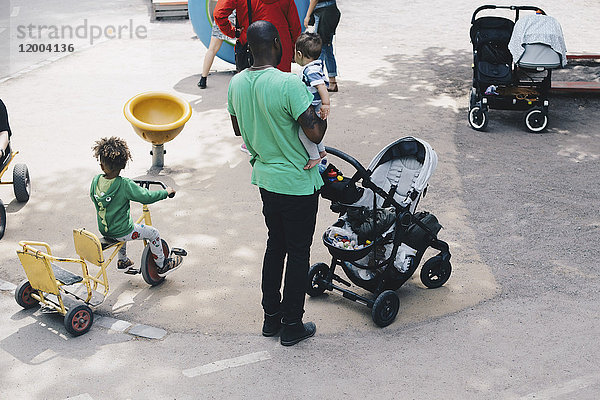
(157,117)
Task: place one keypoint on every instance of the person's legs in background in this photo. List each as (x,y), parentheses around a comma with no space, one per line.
(209,57)
(329,60)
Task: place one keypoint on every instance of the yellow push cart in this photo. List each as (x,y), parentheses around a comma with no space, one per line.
(21,184)
(73,295)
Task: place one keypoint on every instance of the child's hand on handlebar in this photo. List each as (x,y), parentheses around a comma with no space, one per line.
(170,191)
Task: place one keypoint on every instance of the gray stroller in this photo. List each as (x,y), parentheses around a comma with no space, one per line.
(379,238)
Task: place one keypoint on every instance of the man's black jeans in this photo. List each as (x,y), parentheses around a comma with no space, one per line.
(291,224)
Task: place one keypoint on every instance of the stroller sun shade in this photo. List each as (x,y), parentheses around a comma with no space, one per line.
(542,29)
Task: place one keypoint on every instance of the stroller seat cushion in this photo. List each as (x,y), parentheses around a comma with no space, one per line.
(493,73)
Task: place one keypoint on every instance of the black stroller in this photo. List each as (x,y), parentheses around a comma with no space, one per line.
(378,239)
(512,65)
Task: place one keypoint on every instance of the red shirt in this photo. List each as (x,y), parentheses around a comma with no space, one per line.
(281,13)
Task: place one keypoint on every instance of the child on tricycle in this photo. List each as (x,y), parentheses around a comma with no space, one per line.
(111,194)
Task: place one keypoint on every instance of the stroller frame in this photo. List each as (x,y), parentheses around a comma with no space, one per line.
(384,307)
(534,99)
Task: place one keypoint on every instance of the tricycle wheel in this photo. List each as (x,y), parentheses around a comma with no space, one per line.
(149,268)
(316,274)
(385,309)
(23,295)
(21,183)
(79,320)
(435,272)
(2,219)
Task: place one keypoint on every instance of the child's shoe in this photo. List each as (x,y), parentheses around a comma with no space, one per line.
(124,264)
(170,263)
(245,149)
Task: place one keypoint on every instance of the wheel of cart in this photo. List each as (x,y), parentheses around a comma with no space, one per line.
(20,182)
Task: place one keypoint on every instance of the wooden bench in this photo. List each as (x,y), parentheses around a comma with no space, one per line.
(169,8)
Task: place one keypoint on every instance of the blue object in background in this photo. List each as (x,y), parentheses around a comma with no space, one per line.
(200,12)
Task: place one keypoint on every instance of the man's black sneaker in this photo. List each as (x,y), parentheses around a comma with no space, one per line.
(202,82)
(296,332)
(271,325)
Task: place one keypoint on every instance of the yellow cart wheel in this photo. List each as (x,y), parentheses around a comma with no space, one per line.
(23,295)
(79,320)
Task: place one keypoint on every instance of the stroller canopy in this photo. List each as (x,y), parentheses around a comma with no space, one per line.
(537,29)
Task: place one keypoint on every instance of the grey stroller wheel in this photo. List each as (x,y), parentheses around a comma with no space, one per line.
(536,120)
(385,308)
(478,119)
(435,272)
(316,274)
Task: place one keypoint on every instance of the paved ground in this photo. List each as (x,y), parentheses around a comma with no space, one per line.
(520,211)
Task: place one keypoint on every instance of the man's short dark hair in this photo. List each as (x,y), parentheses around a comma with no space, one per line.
(309,44)
(260,36)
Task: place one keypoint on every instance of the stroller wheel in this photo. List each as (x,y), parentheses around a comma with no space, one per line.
(385,308)
(536,120)
(478,119)
(435,272)
(316,275)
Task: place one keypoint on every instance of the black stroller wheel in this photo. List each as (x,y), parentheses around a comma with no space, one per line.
(316,275)
(385,308)
(478,119)
(536,120)
(435,272)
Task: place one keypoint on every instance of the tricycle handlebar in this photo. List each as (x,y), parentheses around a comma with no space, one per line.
(147,184)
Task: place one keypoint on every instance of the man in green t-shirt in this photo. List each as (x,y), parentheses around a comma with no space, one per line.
(266,107)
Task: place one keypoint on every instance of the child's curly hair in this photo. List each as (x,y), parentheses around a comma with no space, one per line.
(112,152)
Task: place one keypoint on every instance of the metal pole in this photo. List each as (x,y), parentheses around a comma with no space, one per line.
(158,155)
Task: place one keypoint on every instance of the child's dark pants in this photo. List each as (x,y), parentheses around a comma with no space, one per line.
(291,224)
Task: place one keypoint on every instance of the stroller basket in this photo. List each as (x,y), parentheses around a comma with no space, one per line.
(347,254)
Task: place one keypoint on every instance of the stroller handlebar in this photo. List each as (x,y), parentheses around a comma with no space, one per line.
(349,159)
(515,8)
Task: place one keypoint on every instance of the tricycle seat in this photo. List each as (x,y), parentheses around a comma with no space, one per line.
(107,243)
